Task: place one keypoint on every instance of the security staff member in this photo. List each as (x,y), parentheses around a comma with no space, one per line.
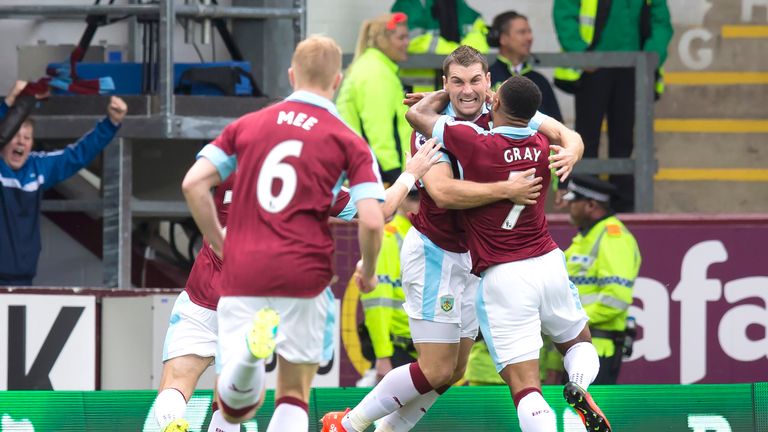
(370,99)
(602,261)
(605,25)
(385,318)
(438,27)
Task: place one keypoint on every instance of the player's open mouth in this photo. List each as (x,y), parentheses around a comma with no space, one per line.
(468,101)
(19,151)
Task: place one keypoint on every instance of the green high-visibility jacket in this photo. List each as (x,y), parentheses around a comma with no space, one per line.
(383,307)
(371,102)
(603,264)
(621,31)
(424,31)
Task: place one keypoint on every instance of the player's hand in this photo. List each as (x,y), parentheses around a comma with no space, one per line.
(562,161)
(218,248)
(383,366)
(522,187)
(422,161)
(116,110)
(411,98)
(364,284)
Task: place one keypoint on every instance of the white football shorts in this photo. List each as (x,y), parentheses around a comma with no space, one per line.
(517,301)
(438,285)
(192,329)
(305,332)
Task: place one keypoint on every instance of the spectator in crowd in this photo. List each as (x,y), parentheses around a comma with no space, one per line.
(385,318)
(602,261)
(371,95)
(610,92)
(26,175)
(439,27)
(511,34)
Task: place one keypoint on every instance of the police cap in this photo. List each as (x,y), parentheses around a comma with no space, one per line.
(589,187)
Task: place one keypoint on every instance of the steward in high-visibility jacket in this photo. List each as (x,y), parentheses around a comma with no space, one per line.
(605,25)
(439,27)
(603,262)
(385,318)
(371,96)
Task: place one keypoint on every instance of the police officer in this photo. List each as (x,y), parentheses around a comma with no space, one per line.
(603,261)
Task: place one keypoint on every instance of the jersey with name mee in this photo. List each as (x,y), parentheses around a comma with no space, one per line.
(500,232)
(291,160)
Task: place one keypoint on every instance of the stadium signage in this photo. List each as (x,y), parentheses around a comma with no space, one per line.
(50,341)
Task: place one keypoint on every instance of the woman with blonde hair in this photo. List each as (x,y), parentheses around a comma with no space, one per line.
(371,97)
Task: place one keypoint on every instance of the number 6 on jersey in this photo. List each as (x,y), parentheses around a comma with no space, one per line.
(274,168)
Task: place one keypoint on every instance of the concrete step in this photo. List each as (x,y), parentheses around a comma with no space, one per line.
(713,101)
(727,54)
(710,197)
(701,150)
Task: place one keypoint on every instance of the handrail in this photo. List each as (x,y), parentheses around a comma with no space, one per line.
(148,10)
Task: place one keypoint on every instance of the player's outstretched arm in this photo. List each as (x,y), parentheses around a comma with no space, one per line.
(570,148)
(423,115)
(196,187)
(415,168)
(447,192)
(370,226)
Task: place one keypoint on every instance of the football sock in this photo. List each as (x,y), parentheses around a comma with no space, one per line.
(291,414)
(220,424)
(405,418)
(533,412)
(581,364)
(399,387)
(169,406)
(240,383)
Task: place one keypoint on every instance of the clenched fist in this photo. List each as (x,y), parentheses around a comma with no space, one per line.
(116,110)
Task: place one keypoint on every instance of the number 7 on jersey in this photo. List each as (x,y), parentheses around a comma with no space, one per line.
(514,212)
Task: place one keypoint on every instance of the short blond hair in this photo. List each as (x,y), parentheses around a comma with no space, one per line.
(316,61)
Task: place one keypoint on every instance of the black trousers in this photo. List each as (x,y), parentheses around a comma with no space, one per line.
(609,368)
(609,93)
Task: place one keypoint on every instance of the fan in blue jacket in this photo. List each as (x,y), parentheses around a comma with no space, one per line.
(25,174)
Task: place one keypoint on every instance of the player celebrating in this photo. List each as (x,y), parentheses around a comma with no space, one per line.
(436,265)
(524,287)
(190,343)
(291,159)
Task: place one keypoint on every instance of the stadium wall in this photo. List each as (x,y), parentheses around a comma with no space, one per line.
(701,304)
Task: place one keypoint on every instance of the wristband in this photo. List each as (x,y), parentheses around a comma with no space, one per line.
(406,179)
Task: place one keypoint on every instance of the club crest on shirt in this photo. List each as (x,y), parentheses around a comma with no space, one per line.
(446,303)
